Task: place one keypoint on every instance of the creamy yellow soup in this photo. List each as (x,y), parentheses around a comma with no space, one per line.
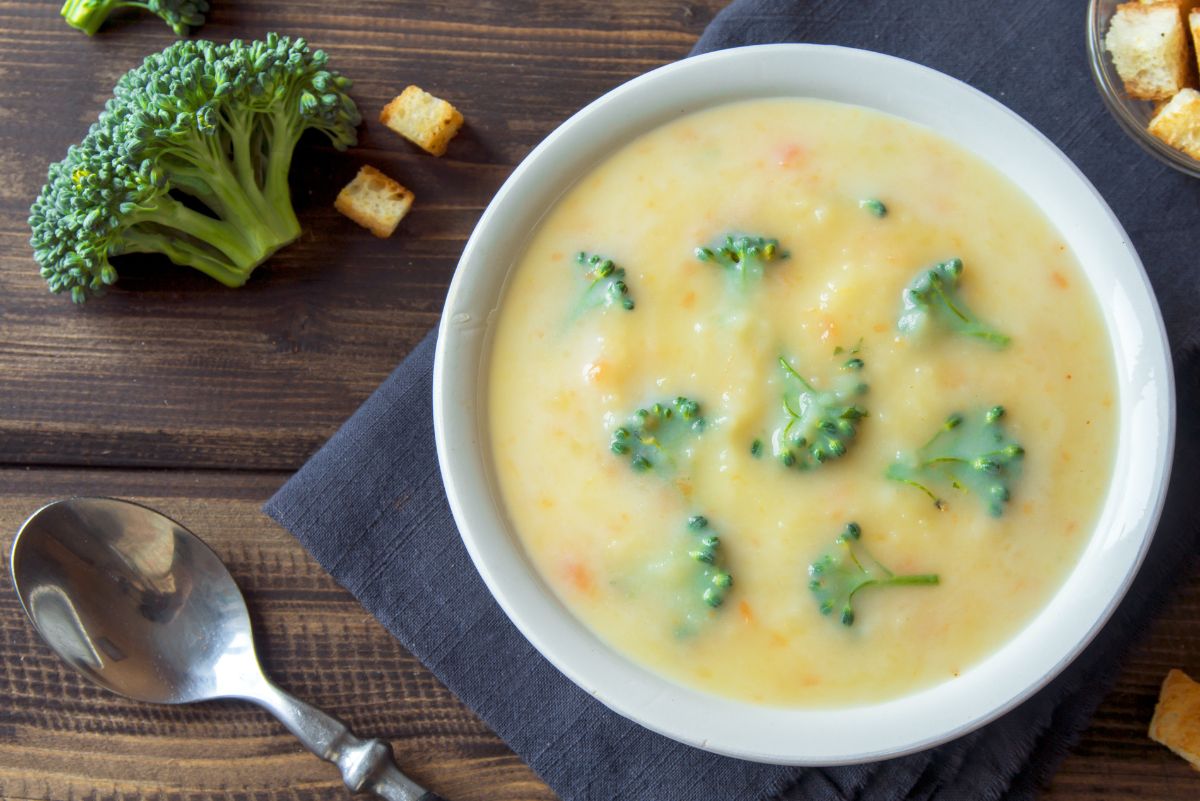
(614,542)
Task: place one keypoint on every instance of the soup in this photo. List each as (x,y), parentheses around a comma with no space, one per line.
(801,404)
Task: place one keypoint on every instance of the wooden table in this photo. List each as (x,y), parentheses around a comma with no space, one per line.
(201,401)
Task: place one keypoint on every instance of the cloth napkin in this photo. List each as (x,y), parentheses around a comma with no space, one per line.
(370,505)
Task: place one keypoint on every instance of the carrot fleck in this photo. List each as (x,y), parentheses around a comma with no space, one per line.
(791,156)
(1059,280)
(580,577)
(747,613)
(688,301)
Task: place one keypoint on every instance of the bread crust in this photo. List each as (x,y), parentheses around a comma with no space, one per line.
(427,121)
(375,201)
(1176,722)
(1149,45)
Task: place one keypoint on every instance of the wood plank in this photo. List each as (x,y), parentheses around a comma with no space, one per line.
(172,369)
(61,738)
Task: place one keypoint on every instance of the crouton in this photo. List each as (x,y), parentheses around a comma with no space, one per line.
(1176,722)
(1193,19)
(426,121)
(1178,122)
(1149,48)
(374,201)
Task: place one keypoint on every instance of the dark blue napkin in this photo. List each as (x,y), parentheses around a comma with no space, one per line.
(370,506)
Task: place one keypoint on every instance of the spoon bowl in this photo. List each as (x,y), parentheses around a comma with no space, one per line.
(134,601)
(144,608)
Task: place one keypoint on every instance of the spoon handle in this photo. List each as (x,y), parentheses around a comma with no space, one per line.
(366,765)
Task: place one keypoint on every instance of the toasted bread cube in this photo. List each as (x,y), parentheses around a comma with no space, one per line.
(427,121)
(374,201)
(1178,122)
(1176,722)
(1149,48)
(1193,19)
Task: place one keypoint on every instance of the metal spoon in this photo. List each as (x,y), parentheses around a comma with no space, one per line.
(141,606)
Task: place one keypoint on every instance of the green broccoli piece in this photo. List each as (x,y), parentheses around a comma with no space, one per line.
(714,580)
(89,15)
(606,284)
(744,258)
(932,294)
(690,579)
(975,455)
(652,438)
(848,567)
(818,426)
(874,207)
(190,159)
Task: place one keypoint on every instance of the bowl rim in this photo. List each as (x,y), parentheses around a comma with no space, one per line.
(1113,94)
(811,736)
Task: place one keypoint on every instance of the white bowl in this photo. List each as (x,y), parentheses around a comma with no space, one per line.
(797,735)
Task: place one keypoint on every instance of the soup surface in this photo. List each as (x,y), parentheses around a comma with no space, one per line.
(852,206)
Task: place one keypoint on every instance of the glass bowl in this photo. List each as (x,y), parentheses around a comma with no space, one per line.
(1132,115)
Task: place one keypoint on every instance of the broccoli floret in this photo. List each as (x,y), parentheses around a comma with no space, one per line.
(933,294)
(714,580)
(744,258)
(653,438)
(874,207)
(606,284)
(975,455)
(190,159)
(690,579)
(848,567)
(89,15)
(817,426)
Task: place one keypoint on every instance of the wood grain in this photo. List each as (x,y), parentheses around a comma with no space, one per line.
(172,369)
(61,737)
(201,400)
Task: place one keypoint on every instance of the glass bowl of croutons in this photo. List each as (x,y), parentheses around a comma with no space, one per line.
(1143,57)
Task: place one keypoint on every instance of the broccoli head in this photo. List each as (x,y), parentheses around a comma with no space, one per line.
(845,569)
(817,426)
(190,159)
(744,258)
(714,580)
(970,454)
(653,439)
(606,284)
(690,578)
(934,294)
(89,15)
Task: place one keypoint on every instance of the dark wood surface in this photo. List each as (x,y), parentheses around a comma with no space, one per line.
(201,401)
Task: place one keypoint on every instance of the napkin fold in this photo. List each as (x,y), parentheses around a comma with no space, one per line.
(371,509)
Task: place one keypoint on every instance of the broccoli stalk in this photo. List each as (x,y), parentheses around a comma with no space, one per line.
(975,455)
(89,15)
(933,294)
(190,159)
(817,426)
(846,568)
(744,258)
(653,438)
(606,284)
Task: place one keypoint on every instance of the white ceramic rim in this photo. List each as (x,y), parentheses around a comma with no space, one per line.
(978,123)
